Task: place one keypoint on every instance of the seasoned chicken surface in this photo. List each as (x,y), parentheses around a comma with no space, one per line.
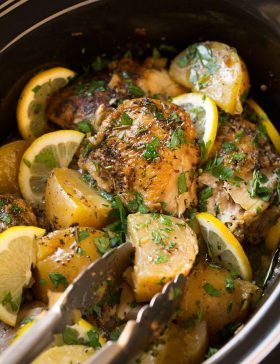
(15,211)
(146,151)
(242,176)
(91,97)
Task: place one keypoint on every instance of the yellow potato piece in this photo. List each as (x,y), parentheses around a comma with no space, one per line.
(214,69)
(10,157)
(70,201)
(165,246)
(61,256)
(184,345)
(213,294)
(66,354)
(273,236)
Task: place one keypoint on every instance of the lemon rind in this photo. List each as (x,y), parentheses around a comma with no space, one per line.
(53,138)
(230,240)
(27,96)
(272,132)
(211,110)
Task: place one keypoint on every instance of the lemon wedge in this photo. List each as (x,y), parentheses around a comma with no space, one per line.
(223,247)
(273,236)
(17,246)
(31,116)
(204,115)
(66,354)
(49,151)
(270,128)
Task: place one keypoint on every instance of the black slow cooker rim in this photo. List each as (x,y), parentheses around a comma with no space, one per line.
(258,337)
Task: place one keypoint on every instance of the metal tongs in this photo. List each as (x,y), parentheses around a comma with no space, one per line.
(151,319)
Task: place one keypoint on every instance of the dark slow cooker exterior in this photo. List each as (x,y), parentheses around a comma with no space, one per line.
(35,34)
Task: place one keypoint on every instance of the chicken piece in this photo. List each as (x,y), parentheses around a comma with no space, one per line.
(15,211)
(242,175)
(92,97)
(146,152)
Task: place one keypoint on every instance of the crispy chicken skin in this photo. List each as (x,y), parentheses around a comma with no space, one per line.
(245,150)
(91,97)
(147,147)
(15,211)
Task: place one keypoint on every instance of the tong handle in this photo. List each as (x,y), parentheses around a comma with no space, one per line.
(131,342)
(27,347)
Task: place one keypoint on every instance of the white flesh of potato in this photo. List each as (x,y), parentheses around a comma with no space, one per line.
(165,246)
(215,69)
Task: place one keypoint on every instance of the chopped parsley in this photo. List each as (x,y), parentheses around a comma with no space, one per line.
(16,209)
(36,89)
(230,147)
(202,61)
(239,135)
(211,290)
(137,204)
(257,190)
(151,149)
(239,156)
(82,235)
(135,90)
(229,284)
(70,336)
(182,183)
(102,243)
(211,351)
(84,126)
(46,157)
(228,330)
(27,162)
(163,258)
(13,304)
(217,169)
(57,279)
(126,119)
(178,138)
(99,64)
(204,194)
(93,337)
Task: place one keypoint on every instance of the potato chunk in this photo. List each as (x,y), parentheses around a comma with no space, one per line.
(70,201)
(62,255)
(180,345)
(213,294)
(10,157)
(215,69)
(165,246)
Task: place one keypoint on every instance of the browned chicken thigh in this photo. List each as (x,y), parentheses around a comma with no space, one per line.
(15,211)
(242,176)
(146,148)
(92,96)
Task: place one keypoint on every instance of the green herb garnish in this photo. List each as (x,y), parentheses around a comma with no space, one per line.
(211,290)
(151,149)
(182,183)
(57,279)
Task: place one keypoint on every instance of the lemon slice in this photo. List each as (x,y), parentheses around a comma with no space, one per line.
(31,115)
(270,128)
(49,151)
(17,255)
(223,246)
(204,115)
(66,354)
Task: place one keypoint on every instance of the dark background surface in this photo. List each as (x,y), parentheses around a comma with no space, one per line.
(54,43)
